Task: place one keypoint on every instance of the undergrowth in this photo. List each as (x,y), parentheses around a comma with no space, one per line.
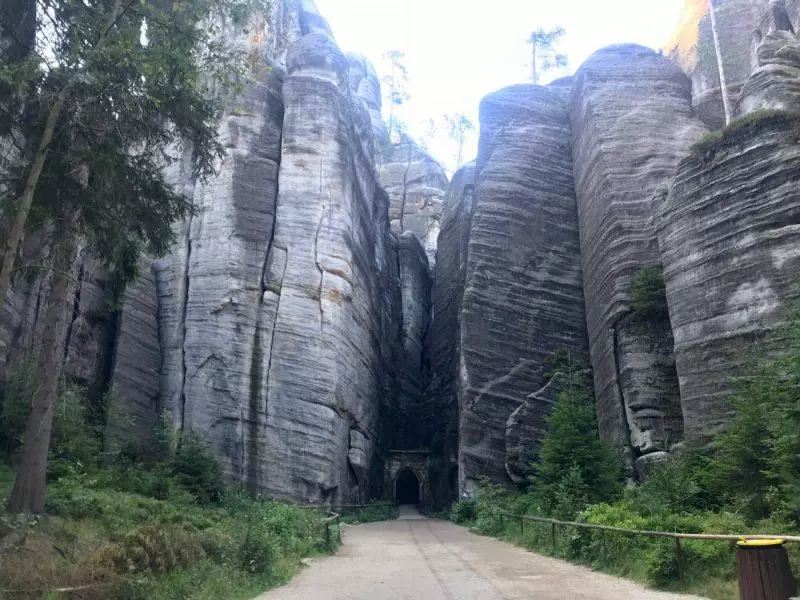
(747,482)
(149,522)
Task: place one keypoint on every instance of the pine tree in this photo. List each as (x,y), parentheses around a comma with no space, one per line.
(458,126)
(544,55)
(573,466)
(113,87)
(396,88)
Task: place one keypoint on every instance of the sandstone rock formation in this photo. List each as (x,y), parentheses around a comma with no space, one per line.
(632,122)
(774,83)
(416,185)
(731,249)
(415,414)
(522,297)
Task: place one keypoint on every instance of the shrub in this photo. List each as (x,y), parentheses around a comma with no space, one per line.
(649,295)
(196,469)
(151,549)
(463,512)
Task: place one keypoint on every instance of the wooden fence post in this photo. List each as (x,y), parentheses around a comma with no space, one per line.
(553,532)
(678,556)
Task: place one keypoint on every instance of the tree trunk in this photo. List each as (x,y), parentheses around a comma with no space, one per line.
(534,70)
(723,86)
(28,495)
(25,201)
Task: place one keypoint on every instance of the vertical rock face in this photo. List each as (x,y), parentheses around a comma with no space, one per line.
(737,20)
(730,238)
(631,122)
(135,409)
(522,297)
(412,429)
(416,185)
(365,84)
(321,356)
(228,242)
(448,291)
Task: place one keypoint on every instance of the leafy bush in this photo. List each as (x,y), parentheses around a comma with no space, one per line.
(649,295)
(463,512)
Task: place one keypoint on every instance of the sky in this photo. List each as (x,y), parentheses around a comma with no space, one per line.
(458,51)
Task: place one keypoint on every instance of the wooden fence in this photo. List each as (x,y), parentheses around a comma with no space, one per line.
(676,536)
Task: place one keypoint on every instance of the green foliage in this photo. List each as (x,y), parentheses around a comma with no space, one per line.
(747,482)
(649,295)
(573,466)
(545,54)
(195,468)
(16,391)
(463,512)
(127,106)
(744,128)
(171,548)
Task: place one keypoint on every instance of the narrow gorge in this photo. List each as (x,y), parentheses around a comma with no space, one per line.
(338,310)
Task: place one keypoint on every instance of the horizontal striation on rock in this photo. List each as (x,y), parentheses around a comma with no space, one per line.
(729,233)
(736,22)
(632,122)
(522,298)
(775,84)
(443,339)
(324,368)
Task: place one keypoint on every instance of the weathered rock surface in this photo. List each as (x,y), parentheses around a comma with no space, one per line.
(736,22)
(445,331)
(321,363)
(632,122)
(416,185)
(135,383)
(730,242)
(522,297)
(412,428)
(774,83)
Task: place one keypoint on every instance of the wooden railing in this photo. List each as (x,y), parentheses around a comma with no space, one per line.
(356,508)
(330,520)
(676,536)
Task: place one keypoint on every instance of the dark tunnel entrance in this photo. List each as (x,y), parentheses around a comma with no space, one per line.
(406,487)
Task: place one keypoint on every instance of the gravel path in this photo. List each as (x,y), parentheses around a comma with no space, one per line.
(424,559)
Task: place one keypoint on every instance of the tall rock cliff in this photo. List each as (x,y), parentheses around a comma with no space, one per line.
(277,323)
(632,122)
(730,242)
(522,297)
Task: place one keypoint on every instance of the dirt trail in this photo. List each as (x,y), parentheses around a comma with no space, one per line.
(436,560)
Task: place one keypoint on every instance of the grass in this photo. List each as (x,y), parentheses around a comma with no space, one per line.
(744,128)
(128,545)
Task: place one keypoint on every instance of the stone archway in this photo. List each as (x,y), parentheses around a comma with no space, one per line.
(406,487)
(407,477)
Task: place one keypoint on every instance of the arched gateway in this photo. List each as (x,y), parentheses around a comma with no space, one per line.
(407,480)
